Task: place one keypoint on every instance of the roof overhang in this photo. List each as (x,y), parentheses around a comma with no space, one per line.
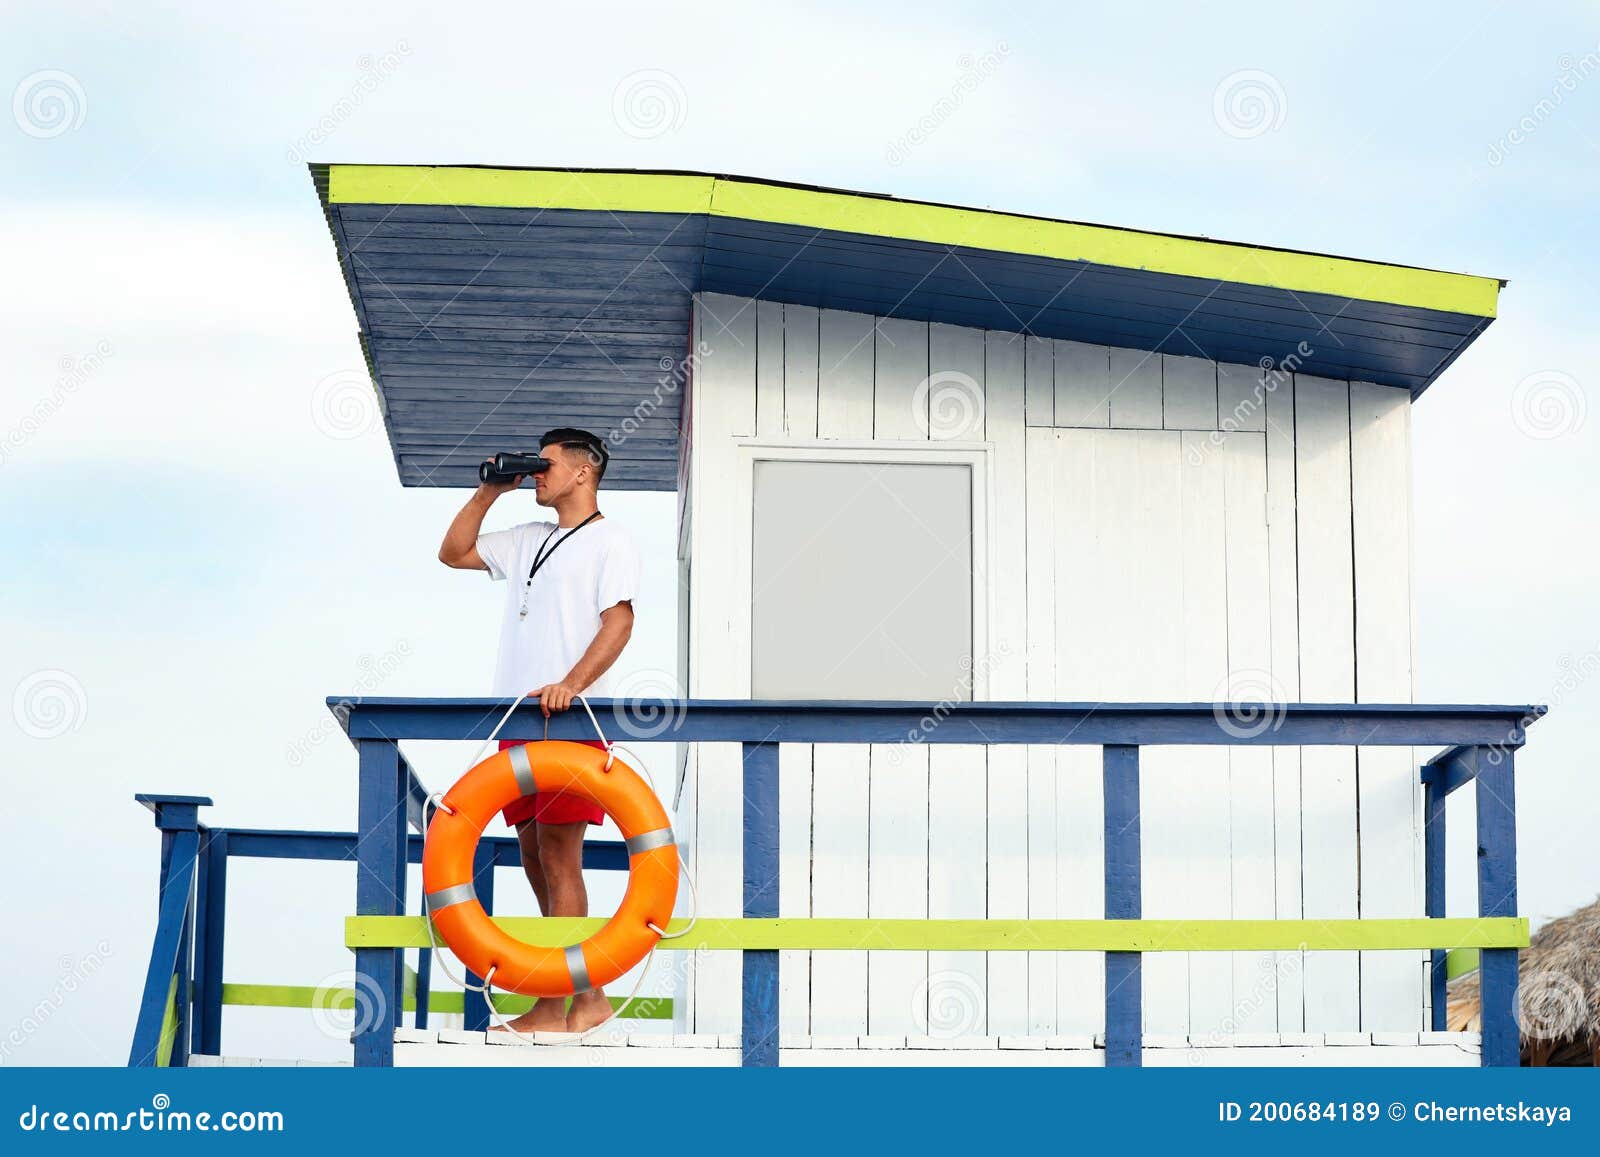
(495,303)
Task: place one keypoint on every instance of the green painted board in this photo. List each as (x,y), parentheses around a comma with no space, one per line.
(999,935)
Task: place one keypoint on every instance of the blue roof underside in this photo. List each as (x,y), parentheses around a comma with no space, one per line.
(484,327)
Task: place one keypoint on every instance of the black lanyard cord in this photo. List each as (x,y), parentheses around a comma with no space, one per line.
(541,556)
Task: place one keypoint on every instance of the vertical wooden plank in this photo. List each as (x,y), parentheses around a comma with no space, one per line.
(380,888)
(723,408)
(800,332)
(769,368)
(1079,834)
(1283,611)
(1135,390)
(955,360)
(1188,393)
(210,919)
(1002,570)
(956,1002)
(1241,397)
(1198,795)
(1118,615)
(725,376)
(1124,1042)
(844,375)
(1083,385)
(794,866)
(1038,382)
(840,772)
(800,336)
(897,883)
(1009,865)
(1024,878)
(759,1019)
(1434,845)
(685,822)
(839,882)
(1040,600)
(1250,779)
(1043,882)
(1390,808)
(1497,896)
(1327,674)
(900,397)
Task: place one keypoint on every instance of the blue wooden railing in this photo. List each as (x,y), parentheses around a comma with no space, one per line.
(183,989)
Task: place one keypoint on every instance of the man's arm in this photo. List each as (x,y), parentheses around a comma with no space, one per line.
(616,626)
(460,546)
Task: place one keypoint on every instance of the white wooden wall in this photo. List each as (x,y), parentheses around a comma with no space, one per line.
(1163,530)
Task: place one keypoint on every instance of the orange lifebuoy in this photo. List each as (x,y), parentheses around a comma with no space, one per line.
(452,838)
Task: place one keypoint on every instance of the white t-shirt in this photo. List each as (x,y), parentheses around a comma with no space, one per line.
(597,570)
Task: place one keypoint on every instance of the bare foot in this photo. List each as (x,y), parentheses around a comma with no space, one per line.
(547,1015)
(588,1010)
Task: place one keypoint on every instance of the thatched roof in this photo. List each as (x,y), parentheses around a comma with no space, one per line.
(1558,980)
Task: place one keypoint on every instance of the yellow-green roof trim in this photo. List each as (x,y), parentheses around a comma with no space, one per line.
(873,215)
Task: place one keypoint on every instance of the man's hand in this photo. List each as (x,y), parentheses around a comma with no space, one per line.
(493,490)
(555,696)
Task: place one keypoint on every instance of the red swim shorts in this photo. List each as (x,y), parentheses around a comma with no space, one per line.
(552,807)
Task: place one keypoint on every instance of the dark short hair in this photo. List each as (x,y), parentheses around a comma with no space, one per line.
(576,439)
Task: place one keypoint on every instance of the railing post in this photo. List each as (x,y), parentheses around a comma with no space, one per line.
(1497,896)
(1124,996)
(475,1005)
(210,912)
(760,1005)
(1433,881)
(380,891)
(168,976)
(424,985)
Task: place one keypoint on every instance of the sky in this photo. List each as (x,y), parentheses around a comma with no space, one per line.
(204,534)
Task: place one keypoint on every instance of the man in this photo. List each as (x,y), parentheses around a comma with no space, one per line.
(568,614)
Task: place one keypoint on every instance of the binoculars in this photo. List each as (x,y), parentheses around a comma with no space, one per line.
(505,467)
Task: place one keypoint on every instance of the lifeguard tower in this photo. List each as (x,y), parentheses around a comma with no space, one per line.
(1046,619)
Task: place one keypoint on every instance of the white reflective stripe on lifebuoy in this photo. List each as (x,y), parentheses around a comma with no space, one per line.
(523,770)
(446,897)
(577,968)
(645,841)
